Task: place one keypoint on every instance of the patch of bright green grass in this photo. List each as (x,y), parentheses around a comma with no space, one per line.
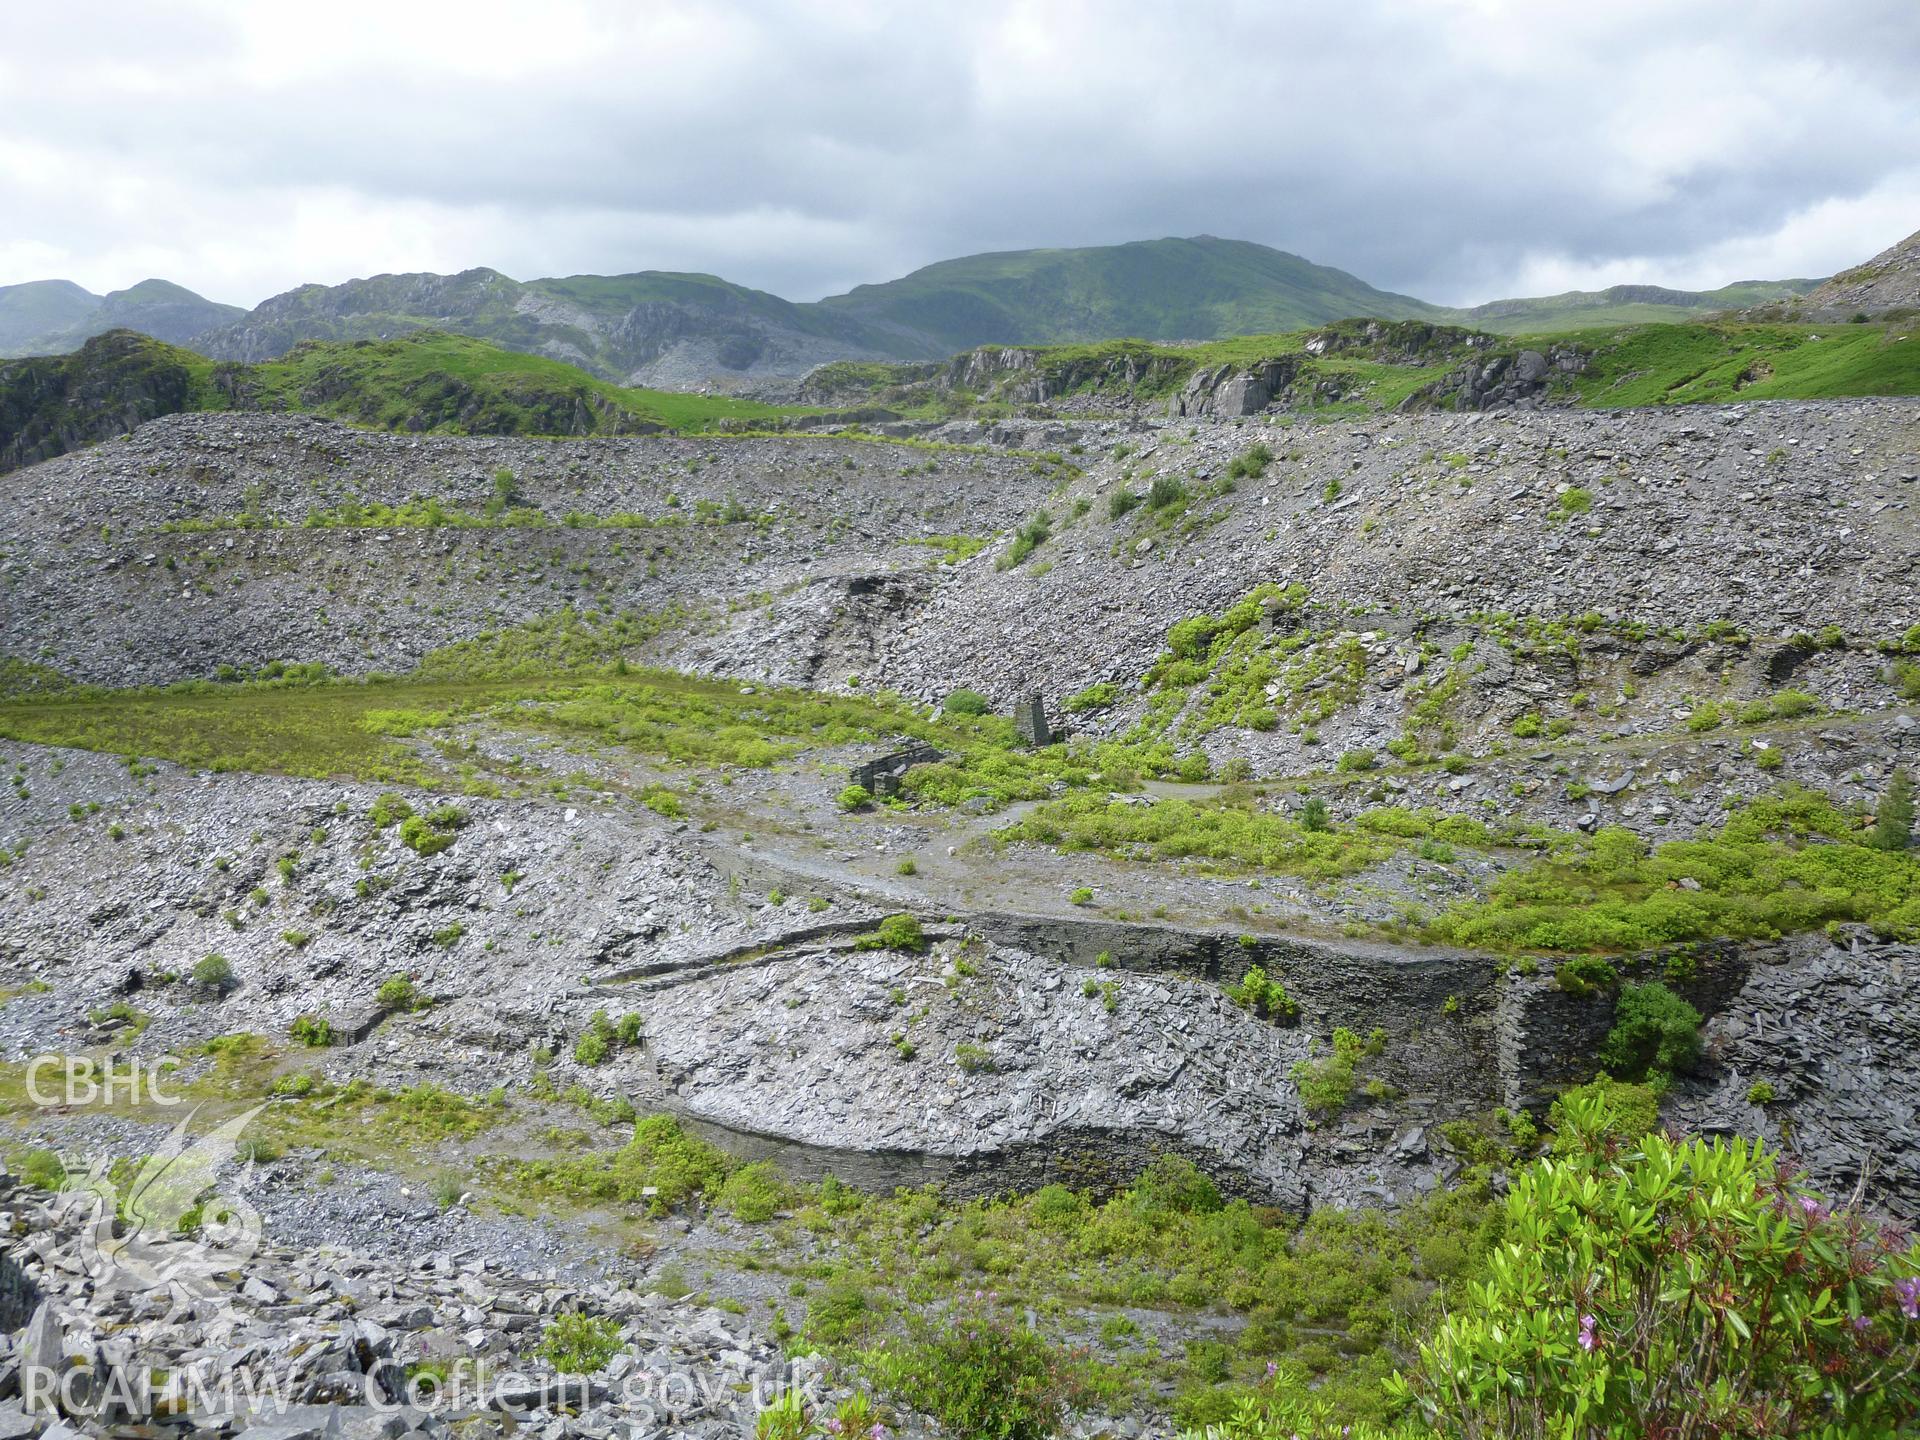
(1780,864)
(1181,829)
(1707,364)
(461,385)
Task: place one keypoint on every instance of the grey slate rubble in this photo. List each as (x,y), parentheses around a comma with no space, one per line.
(328,1335)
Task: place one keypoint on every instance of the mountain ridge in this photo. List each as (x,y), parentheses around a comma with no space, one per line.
(690,330)
(57,317)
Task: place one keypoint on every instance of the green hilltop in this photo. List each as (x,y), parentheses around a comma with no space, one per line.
(1151,289)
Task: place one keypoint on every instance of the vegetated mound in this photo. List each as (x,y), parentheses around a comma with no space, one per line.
(423,382)
(113,383)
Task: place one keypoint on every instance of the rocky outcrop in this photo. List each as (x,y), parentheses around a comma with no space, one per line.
(1820,1047)
(111,385)
(1889,282)
(1229,390)
(1517,380)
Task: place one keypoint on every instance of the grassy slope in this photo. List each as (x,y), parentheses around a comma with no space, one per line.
(1622,305)
(1691,364)
(1157,289)
(395,384)
(431,382)
(39,307)
(1663,364)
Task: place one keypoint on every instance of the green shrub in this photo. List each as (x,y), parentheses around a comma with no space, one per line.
(1326,1084)
(1356,760)
(1028,538)
(1622,1111)
(1527,726)
(1094,697)
(1251,463)
(662,1158)
(1173,1185)
(1081,895)
(979,1373)
(1585,976)
(1893,818)
(1714,1266)
(399,993)
(1166,490)
(967,702)
(855,797)
(577,1344)
(213,972)
(603,1036)
(972,1058)
(1120,503)
(896,932)
(389,809)
(1265,997)
(431,833)
(1705,717)
(785,1416)
(753,1192)
(312,1031)
(1654,1032)
(1760,1093)
(1313,816)
(39,1167)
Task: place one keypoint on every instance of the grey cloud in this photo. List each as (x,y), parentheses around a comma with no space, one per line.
(1435,149)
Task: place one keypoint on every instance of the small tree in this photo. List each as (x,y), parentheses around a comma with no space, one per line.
(1654,1032)
(1893,821)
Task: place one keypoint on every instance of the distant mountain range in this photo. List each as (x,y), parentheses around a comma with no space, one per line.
(685,331)
(54,317)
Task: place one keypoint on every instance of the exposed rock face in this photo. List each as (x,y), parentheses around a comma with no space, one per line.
(1830,1030)
(1889,281)
(1519,381)
(111,385)
(1227,390)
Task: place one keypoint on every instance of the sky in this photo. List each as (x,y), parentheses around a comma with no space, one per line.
(1458,150)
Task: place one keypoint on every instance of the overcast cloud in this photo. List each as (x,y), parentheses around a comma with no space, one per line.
(1458,150)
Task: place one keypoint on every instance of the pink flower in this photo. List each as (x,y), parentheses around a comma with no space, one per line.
(836,1426)
(1813,1209)
(1273,1369)
(878,1432)
(1588,1340)
(1907,1293)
